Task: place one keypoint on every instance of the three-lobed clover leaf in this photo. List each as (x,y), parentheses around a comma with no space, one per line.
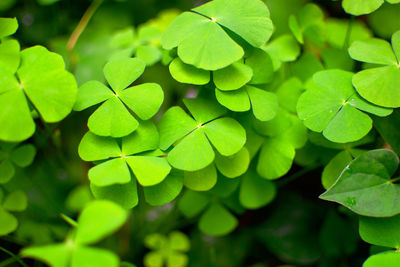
(362,7)
(192,136)
(43,80)
(137,151)
(15,201)
(97,220)
(379,85)
(167,249)
(11,155)
(365,186)
(334,108)
(113,117)
(201,37)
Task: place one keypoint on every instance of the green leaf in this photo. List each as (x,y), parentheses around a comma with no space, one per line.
(145,138)
(87,256)
(384,259)
(166,191)
(396,45)
(24,155)
(381,231)
(289,92)
(149,170)
(122,72)
(261,64)
(47,84)
(217,221)
(112,119)
(91,93)
(93,147)
(57,255)
(149,54)
(235,165)
(204,110)
(9,55)
(334,168)
(374,51)
(237,100)
(13,105)
(144,99)
(276,158)
(123,194)
(8,26)
(232,77)
(248,19)
(256,192)
(193,153)
(202,180)
(173,125)
(264,104)
(361,7)
(192,203)
(339,28)
(153,259)
(99,219)
(226,135)
(179,241)
(114,171)
(282,49)
(16,201)
(7,171)
(379,85)
(185,73)
(8,222)
(365,186)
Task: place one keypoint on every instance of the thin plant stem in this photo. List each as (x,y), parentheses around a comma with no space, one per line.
(15,257)
(348,32)
(82,24)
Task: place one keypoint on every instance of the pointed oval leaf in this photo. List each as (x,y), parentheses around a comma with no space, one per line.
(365,185)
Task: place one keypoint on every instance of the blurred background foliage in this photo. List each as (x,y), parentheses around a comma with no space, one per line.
(297,229)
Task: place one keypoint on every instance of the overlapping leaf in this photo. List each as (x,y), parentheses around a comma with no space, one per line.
(380,85)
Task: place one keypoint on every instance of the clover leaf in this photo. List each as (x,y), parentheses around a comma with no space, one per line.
(365,185)
(113,117)
(264,104)
(282,49)
(380,85)
(202,40)
(381,231)
(11,155)
(334,108)
(14,201)
(169,250)
(193,150)
(43,80)
(149,169)
(362,7)
(98,219)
